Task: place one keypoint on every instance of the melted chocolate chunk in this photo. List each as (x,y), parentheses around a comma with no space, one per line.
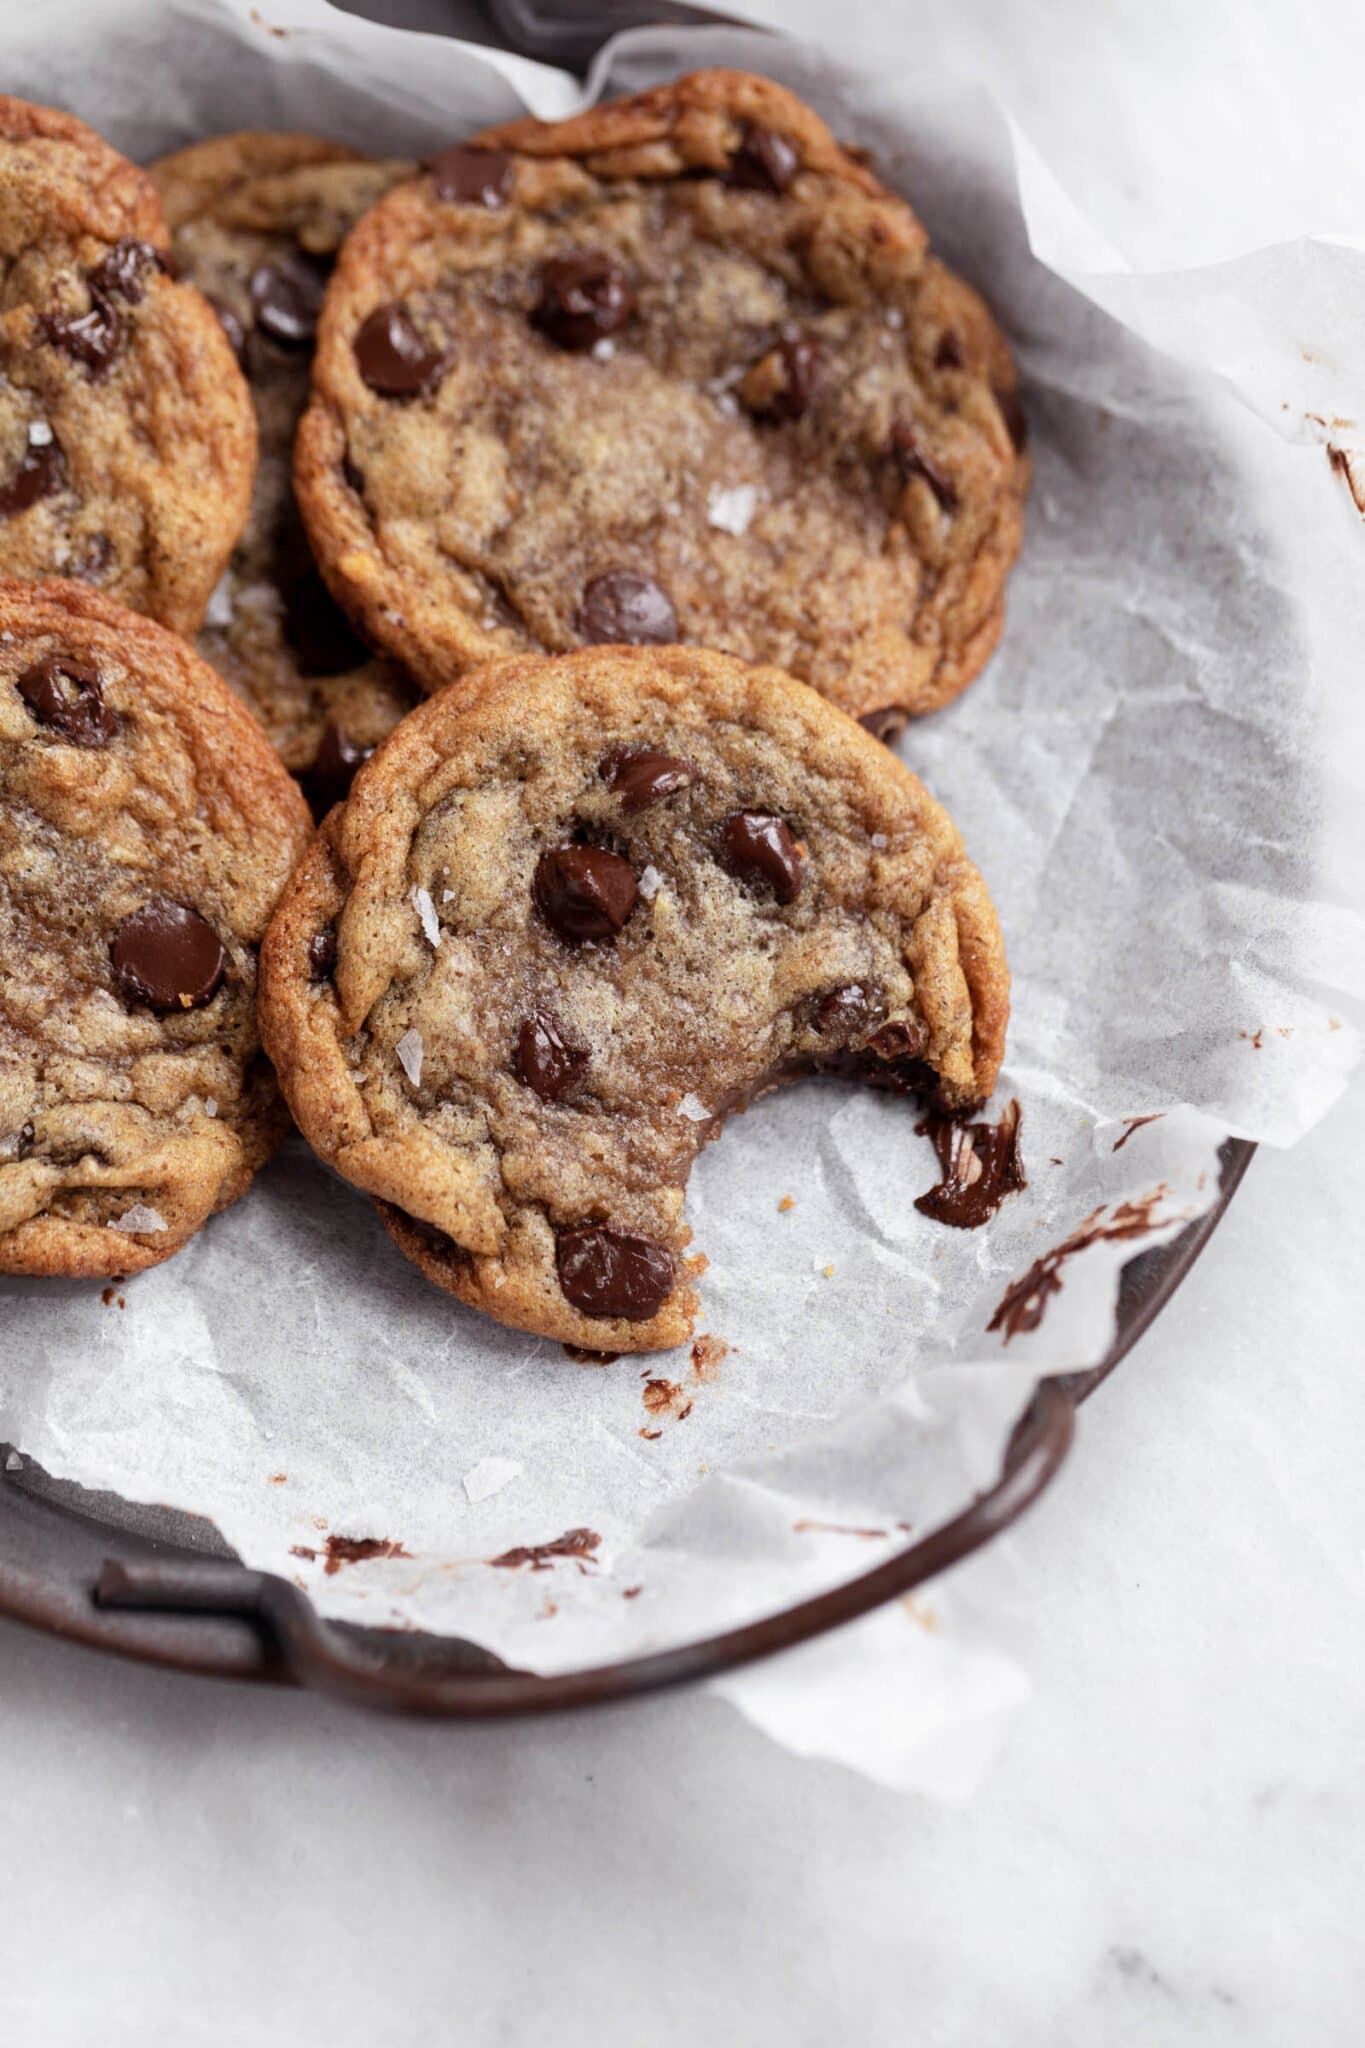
(68,697)
(92,338)
(123,272)
(322,953)
(912,459)
(474,177)
(621,608)
(168,956)
(287,298)
(547,1061)
(584,892)
(948,355)
(613,1273)
(979,1165)
(760,848)
(903,1040)
(41,472)
(764,161)
(785,381)
(584,297)
(334,768)
(846,1012)
(886,724)
(317,630)
(393,358)
(640,777)
(232,327)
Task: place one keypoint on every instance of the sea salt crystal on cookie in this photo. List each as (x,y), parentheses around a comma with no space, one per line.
(426,910)
(731,511)
(694,1109)
(139,1219)
(409,1051)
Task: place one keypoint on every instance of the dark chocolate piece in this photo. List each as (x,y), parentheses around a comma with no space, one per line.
(584,892)
(584,297)
(322,953)
(168,956)
(764,161)
(393,358)
(640,777)
(42,470)
(334,768)
(760,848)
(547,1061)
(912,459)
(613,1273)
(68,697)
(474,177)
(624,609)
(287,297)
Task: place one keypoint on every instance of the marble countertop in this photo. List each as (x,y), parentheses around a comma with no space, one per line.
(1170,1847)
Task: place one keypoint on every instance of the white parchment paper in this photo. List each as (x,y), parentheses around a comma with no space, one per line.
(1146,774)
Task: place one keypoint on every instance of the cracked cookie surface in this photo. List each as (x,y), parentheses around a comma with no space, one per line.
(127,439)
(576,910)
(146,831)
(256,219)
(677,369)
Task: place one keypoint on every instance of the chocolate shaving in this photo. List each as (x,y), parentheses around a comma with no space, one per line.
(1024,1303)
(578,1544)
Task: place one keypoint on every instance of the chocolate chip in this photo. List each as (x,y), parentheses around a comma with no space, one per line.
(322,953)
(547,1061)
(912,459)
(845,1013)
(92,338)
(584,892)
(475,177)
(903,1040)
(168,956)
(886,724)
(583,297)
(764,161)
(1014,416)
(334,768)
(641,777)
(287,298)
(393,358)
(620,608)
(123,272)
(69,698)
(232,327)
(41,472)
(761,848)
(948,355)
(615,1273)
(782,384)
(318,632)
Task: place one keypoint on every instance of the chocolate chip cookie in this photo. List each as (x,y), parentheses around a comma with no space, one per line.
(127,439)
(146,830)
(679,369)
(256,219)
(576,910)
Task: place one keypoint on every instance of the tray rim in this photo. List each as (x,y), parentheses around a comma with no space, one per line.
(182,1602)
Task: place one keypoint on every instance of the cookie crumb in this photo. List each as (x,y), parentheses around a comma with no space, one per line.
(787,1202)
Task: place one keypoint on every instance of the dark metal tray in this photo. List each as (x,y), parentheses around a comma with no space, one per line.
(163,1587)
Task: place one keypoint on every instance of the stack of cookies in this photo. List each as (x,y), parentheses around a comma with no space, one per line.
(569,521)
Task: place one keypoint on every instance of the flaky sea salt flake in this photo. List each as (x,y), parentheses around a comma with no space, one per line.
(409,1051)
(140,1220)
(649,883)
(39,434)
(219,611)
(731,511)
(694,1109)
(490,1476)
(426,910)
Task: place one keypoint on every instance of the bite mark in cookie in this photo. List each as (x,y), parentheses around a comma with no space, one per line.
(572,915)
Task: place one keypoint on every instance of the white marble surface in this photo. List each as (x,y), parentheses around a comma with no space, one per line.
(1171,1847)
